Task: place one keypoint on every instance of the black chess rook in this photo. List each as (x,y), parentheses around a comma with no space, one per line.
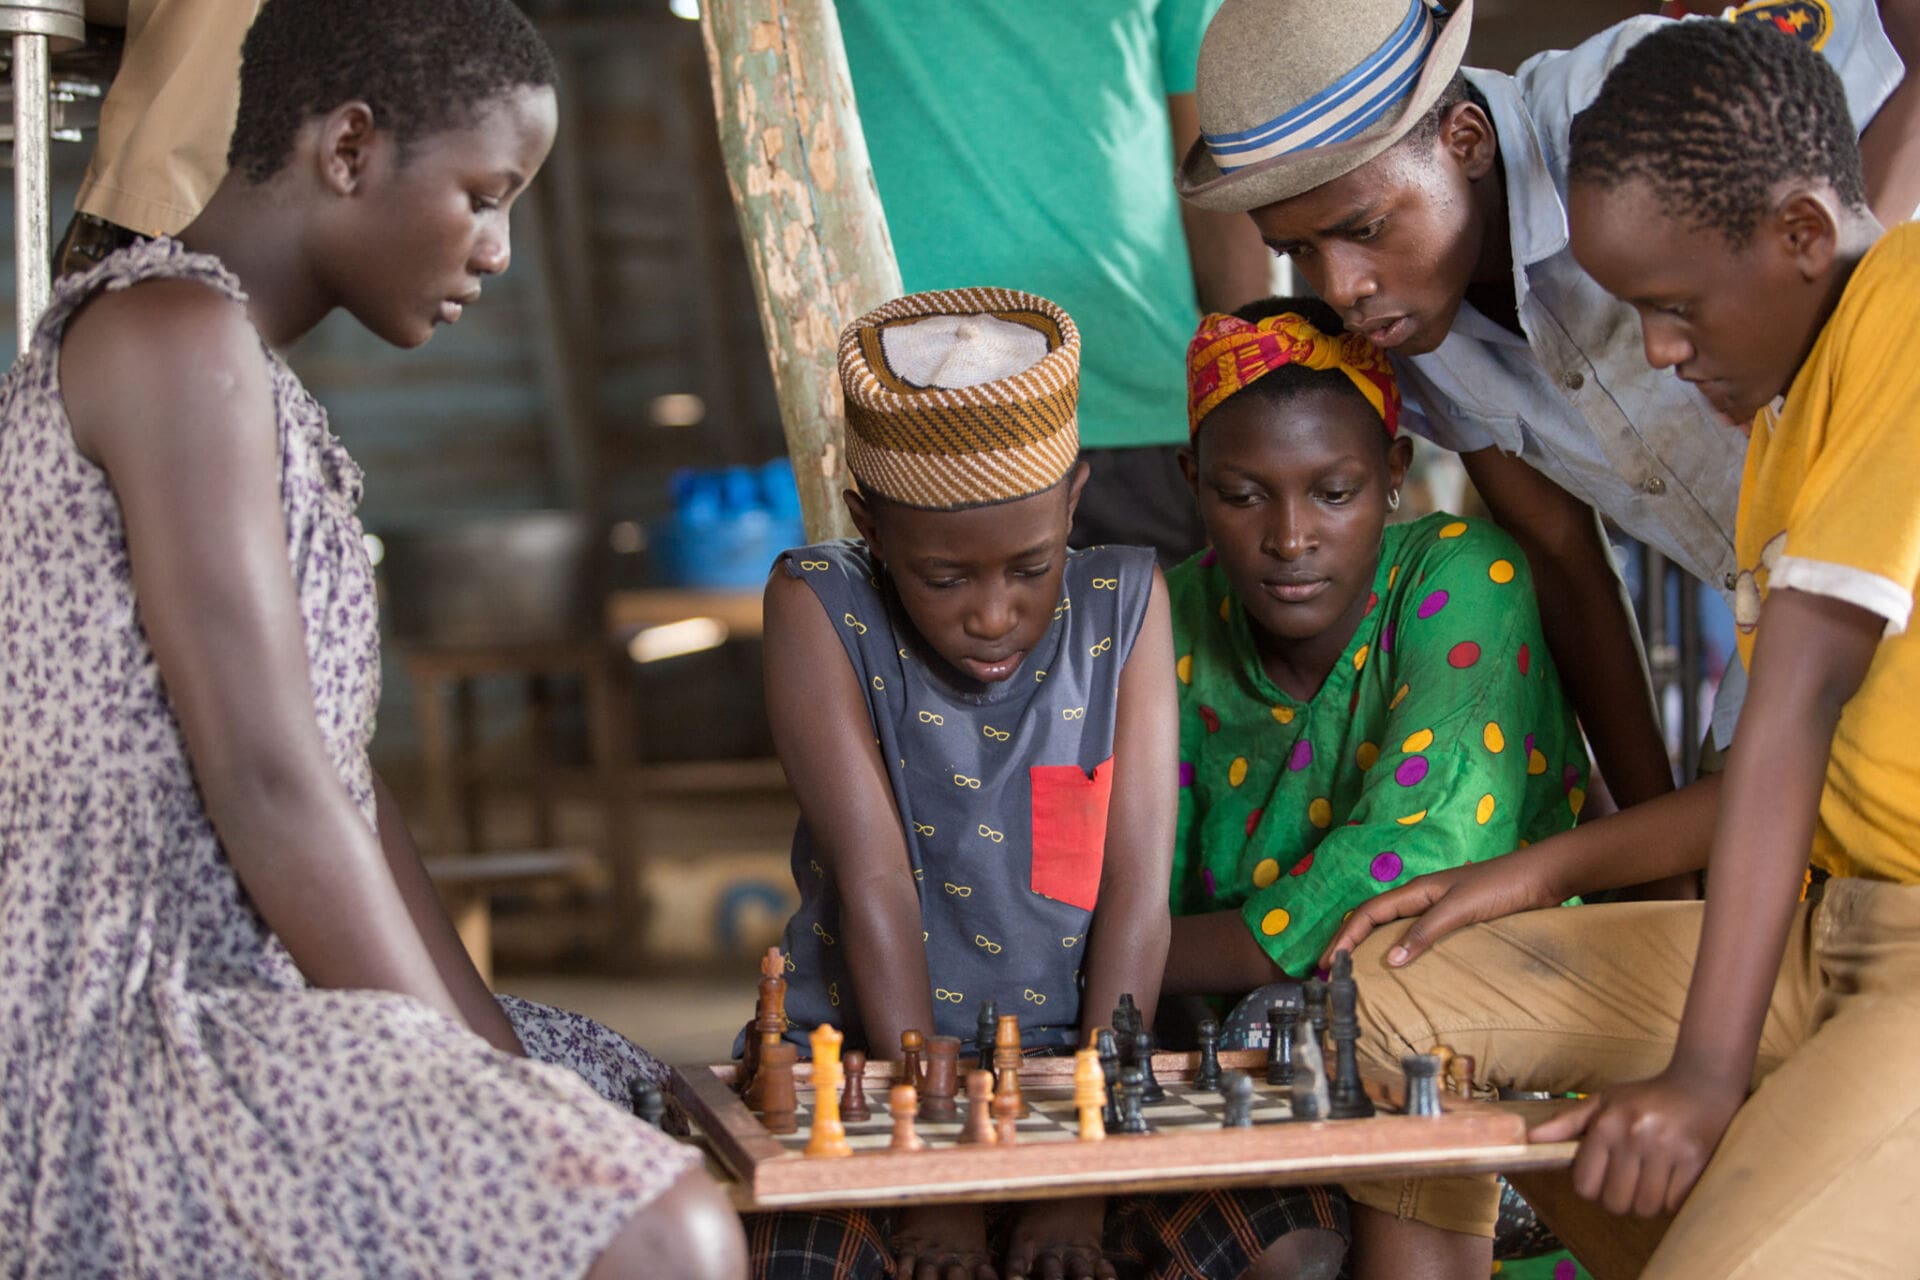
(1280,1023)
(1423,1083)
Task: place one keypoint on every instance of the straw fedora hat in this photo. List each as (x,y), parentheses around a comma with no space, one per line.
(1294,93)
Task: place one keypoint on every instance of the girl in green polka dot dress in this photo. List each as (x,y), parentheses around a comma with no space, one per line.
(1359,703)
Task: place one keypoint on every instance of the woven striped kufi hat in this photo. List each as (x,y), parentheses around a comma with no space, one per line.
(961,397)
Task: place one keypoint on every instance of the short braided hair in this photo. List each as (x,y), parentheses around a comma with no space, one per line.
(1713,115)
(421,65)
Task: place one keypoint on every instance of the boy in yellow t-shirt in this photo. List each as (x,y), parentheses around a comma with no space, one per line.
(1714,184)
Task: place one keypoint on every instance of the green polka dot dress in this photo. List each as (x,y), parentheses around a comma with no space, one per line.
(1440,737)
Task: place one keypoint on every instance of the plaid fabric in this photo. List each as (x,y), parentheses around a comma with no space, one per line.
(1206,1235)
(822,1245)
(1214,1235)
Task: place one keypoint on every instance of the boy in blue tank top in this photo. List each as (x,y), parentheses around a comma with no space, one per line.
(980,728)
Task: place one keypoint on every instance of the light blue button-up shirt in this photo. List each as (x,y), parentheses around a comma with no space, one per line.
(1575,397)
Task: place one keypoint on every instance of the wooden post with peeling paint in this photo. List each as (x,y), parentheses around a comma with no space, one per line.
(810,215)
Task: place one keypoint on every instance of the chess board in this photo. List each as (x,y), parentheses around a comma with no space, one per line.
(1187,1148)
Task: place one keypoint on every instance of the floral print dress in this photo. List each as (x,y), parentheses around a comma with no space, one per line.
(175,1099)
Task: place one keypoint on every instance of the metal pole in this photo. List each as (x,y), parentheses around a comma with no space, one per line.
(32,271)
(1693,675)
(37,28)
(1663,656)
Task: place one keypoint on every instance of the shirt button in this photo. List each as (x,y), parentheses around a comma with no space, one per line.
(1733,581)
(1654,485)
(1573,380)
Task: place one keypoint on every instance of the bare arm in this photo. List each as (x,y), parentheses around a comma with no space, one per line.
(1127,945)
(1647,1143)
(1890,146)
(825,740)
(1589,626)
(1231,266)
(1810,656)
(1215,954)
(1647,843)
(450,958)
(167,391)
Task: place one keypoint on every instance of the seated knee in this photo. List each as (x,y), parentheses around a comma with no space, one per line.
(1307,1254)
(689,1233)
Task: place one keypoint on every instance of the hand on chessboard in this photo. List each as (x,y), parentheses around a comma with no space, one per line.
(1444,901)
(1646,1143)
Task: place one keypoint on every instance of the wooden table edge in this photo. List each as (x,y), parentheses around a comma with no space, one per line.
(703,1091)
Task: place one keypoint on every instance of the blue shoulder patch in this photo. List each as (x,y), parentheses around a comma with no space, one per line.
(1809,21)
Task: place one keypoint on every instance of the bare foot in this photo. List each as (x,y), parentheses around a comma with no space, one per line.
(1059,1240)
(942,1242)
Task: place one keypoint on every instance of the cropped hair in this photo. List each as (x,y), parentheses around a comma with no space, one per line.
(1426,130)
(422,66)
(1713,116)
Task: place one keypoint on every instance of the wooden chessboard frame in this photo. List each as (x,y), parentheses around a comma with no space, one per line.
(1470,1137)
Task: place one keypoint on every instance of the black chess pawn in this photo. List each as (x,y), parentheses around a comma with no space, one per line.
(1423,1083)
(1132,1089)
(1281,1019)
(1126,1018)
(1103,1043)
(1151,1092)
(1207,1074)
(649,1104)
(1237,1087)
(1314,991)
(1347,1099)
(983,1032)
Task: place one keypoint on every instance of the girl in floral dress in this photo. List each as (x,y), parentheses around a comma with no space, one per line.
(237,1034)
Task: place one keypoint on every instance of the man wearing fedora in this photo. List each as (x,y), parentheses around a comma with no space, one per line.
(1426,202)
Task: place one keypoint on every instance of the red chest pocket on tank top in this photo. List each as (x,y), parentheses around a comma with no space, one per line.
(1070,830)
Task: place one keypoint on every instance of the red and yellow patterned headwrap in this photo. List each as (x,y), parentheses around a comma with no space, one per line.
(1230,354)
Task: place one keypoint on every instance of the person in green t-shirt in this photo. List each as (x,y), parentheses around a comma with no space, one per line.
(1033,144)
(1359,703)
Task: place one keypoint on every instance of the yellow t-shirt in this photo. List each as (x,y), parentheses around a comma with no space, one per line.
(1830,504)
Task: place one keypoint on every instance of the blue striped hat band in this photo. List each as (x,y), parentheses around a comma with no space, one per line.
(1344,109)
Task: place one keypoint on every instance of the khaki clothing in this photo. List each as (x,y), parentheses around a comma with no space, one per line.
(166,120)
(1815,1175)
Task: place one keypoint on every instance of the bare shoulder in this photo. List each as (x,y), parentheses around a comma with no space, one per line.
(171,352)
(795,615)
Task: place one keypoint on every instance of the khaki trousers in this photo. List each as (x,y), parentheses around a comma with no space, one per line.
(168,116)
(1819,1173)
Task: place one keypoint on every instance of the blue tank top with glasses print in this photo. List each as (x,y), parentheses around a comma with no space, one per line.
(1002,794)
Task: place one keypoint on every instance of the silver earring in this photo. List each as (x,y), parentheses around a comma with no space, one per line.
(1393,500)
